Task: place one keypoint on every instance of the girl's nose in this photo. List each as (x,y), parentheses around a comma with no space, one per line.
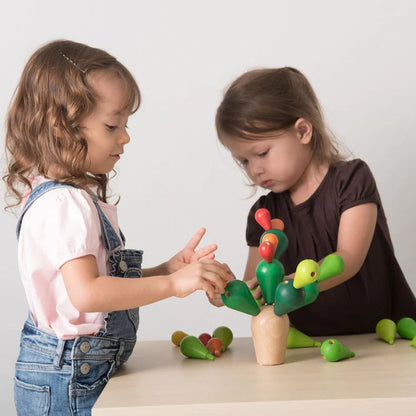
(124,137)
(256,168)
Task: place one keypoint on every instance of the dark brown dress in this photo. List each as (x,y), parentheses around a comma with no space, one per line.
(379,290)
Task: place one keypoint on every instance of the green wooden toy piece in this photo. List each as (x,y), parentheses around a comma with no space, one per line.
(287,298)
(386,330)
(332,265)
(238,296)
(311,293)
(406,327)
(297,339)
(282,241)
(225,335)
(269,275)
(192,347)
(307,272)
(413,342)
(334,350)
(258,300)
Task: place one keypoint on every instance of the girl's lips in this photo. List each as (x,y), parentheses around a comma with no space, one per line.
(266,184)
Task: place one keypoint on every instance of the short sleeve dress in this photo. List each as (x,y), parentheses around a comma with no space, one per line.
(379,290)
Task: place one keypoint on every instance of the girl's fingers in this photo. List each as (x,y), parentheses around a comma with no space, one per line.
(252,283)
(205,252)
(209,289)
(225,265)
(217,280)
(209,256)
(223,271)
(195,240)
(257,293)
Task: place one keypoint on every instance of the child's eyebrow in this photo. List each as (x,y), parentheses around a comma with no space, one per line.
(117,112)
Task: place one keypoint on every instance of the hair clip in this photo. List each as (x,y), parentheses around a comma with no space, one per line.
(73,63)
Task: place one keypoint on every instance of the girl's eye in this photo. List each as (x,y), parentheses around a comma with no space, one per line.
(262,154)
(110,127)
(243,162)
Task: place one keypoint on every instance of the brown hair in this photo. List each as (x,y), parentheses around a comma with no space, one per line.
(43,122)
(266,100)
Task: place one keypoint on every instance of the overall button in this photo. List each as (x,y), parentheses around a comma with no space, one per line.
(85,368)
(123,266)
(85,347)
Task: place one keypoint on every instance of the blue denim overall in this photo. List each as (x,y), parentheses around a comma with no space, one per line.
(65,377)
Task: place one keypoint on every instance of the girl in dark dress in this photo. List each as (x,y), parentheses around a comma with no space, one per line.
(271,121)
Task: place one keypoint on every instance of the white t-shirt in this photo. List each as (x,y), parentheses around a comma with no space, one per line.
(61,225)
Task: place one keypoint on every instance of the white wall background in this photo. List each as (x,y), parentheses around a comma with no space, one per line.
(359,55)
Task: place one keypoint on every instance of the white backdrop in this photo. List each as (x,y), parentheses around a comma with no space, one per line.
(359,55)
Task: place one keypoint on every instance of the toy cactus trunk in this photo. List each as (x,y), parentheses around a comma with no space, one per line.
(270,336)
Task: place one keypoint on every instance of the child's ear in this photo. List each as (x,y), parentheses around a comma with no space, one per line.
(304,129)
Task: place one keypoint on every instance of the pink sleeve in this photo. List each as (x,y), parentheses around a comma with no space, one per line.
(60,226)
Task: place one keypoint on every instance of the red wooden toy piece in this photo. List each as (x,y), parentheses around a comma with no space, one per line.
(204,338)
(262,216)
(214,346)
(267,250)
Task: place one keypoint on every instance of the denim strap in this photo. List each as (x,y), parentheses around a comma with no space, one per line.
(35,194)
(59,354)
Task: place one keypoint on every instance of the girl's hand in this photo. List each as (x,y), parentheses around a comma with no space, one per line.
(216,300)
(188,255)
(206,274)
(253,284)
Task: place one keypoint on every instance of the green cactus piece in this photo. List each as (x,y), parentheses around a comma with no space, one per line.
(258,300)
(334,350)
(311,293)
(386,330)
(192,347)
(225,335)
(406,327)
(332,265)
(297,339)
(269,275)
(287,298)
(307,272)
(237,296)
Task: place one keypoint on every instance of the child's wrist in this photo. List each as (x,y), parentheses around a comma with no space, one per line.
(165,268)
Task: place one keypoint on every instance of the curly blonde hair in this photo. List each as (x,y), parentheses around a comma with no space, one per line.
(43,121)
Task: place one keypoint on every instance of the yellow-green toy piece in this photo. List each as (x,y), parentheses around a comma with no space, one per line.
(406,327)
(177,337)
(412,343)
(192,347)
(332,265)
(334,350)
(297,339)
(225,335)
(307,272)
(386,329)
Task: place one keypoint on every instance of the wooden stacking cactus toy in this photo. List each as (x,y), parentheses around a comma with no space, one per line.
(281,296)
